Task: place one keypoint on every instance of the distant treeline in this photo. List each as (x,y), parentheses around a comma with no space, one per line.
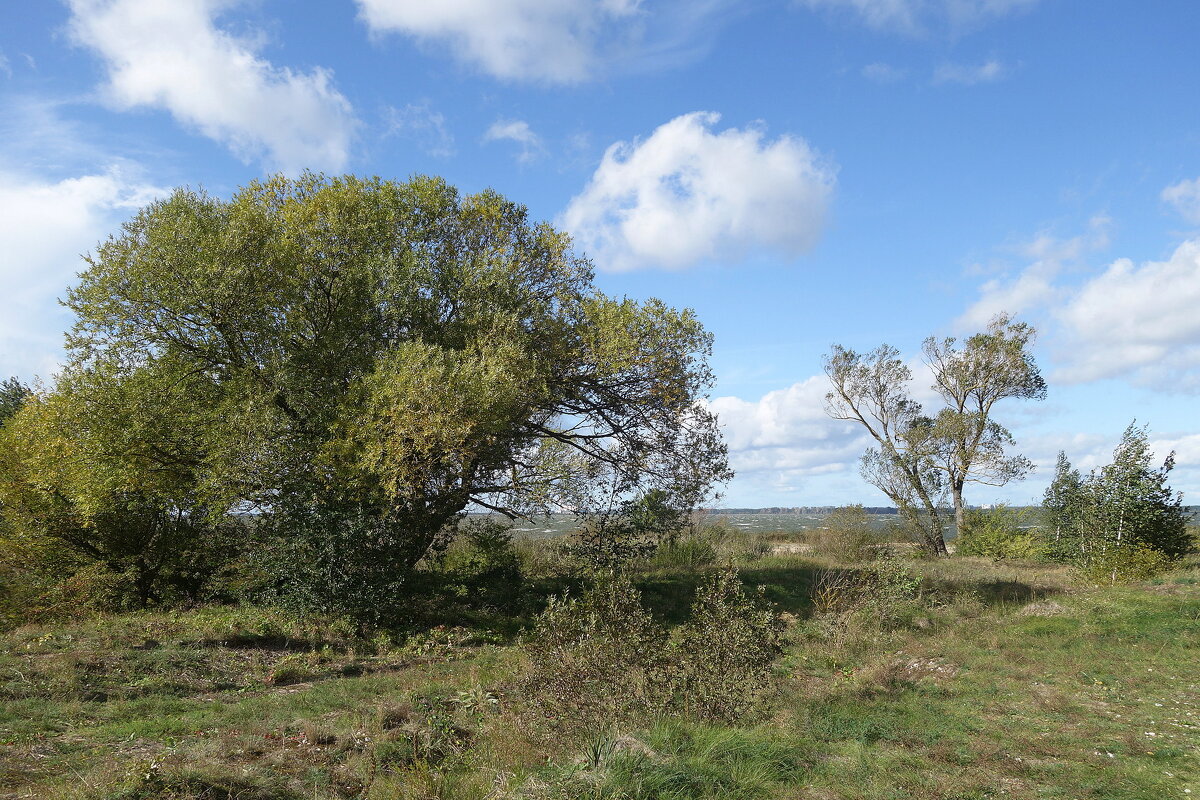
(1193,511)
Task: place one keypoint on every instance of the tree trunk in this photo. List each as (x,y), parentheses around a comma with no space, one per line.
(960,513)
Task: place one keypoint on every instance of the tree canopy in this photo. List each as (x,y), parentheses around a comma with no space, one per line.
(921,458)
(339,348)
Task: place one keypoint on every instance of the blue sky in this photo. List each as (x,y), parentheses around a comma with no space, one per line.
(800,172)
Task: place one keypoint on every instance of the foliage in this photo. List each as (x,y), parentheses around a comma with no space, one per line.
(482,565)
(882,597)
(1122,564)
(690,552)
(871,389)
(601,660)
(632,530)
(75,490)
(722,657)
(1002,533)
(991,366)
(13,395)
(356,361)
(922,459)
(342,559)
(1062,502)
(597,660)
(847,535)
(1118,510)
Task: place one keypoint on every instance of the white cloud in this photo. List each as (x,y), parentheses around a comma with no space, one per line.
(918,16)
(1035,287)
(516,130)
(788,430)
(418,121)
(1186,448)
(1185,197)
(687,195)
(1137,320)
(555,41)
(46,226)
(5,67)
(969,74)
(172,56)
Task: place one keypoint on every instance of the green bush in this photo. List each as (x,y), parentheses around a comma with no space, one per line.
(722,657)
(601,661)
(847,536)
(851,602)
(482,565)
(689,553)
(596,660)
(1002,533)
(1124,564)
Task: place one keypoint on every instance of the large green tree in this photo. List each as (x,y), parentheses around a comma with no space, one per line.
(366,355)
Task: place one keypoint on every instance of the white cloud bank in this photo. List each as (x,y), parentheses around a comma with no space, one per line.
(554,41)
(788,431)
(46,226)
(1140,320)
(687,195)
(1129,320)
(918,16)
(171,55)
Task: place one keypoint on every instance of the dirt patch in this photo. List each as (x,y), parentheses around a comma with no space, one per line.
(1043,608)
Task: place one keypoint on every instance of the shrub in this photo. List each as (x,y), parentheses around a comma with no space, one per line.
(608,541)
(597,659)
(723,654)
(482,565)
(600,661)
(1000,533)
(690,553)
(1123,564)
(883,597)
(847,536)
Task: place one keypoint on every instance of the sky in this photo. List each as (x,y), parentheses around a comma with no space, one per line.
(800,172)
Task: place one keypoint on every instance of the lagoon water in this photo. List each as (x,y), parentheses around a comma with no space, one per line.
(750,522)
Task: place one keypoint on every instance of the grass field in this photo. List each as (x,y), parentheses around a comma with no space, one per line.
(1004,681)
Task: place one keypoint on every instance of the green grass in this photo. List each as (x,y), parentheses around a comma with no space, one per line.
(1009,681)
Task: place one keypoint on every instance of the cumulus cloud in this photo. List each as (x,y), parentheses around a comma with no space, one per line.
(45,226)
(1137,320)
(920,16)
(173,56)
(969,74)
(687,195)
(788,430)
(1185,197)
(545,40)
(516,130)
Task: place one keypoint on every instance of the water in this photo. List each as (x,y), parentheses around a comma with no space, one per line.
(750,522)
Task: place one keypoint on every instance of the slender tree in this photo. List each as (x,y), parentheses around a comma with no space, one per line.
(872,390)
(989,367)
(1061,505)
